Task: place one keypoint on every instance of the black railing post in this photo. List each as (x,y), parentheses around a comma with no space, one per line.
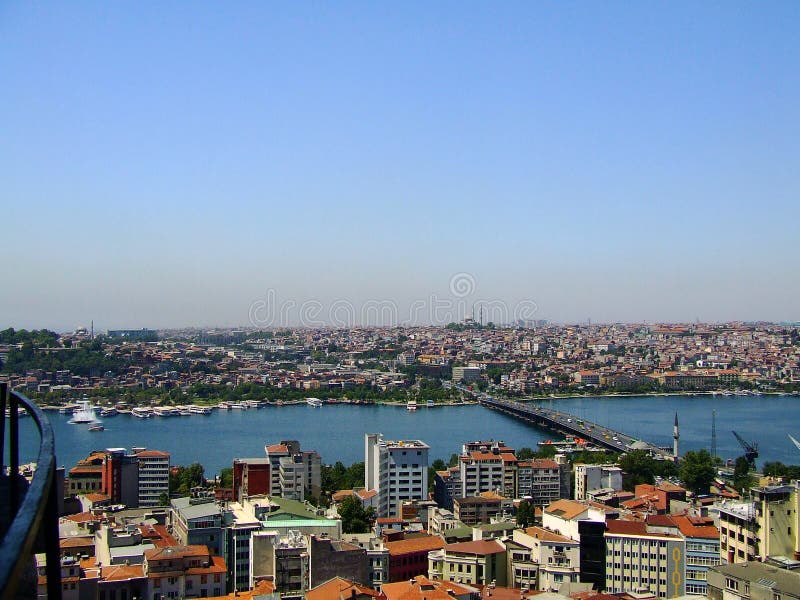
(13,451)
(3,393)
(51,542)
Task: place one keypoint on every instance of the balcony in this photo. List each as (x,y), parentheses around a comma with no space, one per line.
(28,511)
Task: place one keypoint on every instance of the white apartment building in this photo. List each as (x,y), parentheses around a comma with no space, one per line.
(153,476)
(293,473)
(397,470)
(589,478)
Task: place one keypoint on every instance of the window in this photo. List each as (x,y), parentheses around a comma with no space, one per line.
(731,584)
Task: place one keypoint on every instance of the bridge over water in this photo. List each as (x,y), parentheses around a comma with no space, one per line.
(568,424)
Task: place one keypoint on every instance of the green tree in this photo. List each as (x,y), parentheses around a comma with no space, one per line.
(697,470)
(638,467)
(226,477)
(525,453)
(454,458)
(163,499)
(742,480)
(355,518)
(525,514)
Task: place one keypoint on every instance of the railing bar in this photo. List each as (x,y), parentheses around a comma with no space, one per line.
(51,542)
(17,545)
(13,450)
(3,393)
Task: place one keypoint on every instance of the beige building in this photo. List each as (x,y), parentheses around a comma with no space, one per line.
(738,538)
(557,557)
(778,517)
(481,562)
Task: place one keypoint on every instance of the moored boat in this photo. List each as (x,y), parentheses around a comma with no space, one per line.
(141,412)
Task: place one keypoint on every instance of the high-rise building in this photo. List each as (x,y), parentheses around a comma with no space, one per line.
(294,474)
(398,471)
(121,477)
(153,475)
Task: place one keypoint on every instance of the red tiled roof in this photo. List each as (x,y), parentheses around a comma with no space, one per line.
(418,544)
(481,547)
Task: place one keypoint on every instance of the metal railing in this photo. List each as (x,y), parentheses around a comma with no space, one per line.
(34,517)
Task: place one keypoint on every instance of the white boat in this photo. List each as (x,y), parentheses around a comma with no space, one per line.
(315,402)
(108,412)
(412,405)
(166,411)
(253,403)
(429,403)
(84,413)
(199,410)
(142,412)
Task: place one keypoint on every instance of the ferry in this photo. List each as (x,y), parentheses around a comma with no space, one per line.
(199,410)
(224,406)
(84,413)
(142,412)
(412,405)
(109,412)
(254,403)
(166,411)
(315,402)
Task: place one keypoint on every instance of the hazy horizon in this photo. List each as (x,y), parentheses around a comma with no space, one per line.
(214,165)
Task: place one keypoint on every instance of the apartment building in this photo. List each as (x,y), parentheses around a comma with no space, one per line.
(153,476)
(398,470)
(778,517)
(293,473)
(753,581)
(738,535)
(183,572)
(197,521)
(642,558)
(466,374)
(557,557)
(538,480)
(447,486)
(480,562)
(590,478)
(487,467)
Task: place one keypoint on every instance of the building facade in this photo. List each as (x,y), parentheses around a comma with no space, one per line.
(397,470)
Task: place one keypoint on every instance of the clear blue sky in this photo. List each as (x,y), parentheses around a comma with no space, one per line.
(166,165)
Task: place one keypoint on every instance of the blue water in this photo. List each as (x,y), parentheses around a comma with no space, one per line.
(337,431)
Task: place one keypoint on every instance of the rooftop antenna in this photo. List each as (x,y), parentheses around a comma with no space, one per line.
(714,433)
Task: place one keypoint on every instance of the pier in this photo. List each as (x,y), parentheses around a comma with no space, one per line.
(568,424)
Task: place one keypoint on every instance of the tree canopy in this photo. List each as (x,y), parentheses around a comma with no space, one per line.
(698,470)
(355,518)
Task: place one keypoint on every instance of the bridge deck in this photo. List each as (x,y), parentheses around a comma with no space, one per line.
(571,425)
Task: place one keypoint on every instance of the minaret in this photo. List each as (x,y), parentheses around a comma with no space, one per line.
(675,436)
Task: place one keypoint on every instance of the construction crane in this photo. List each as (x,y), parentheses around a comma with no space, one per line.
(750,450)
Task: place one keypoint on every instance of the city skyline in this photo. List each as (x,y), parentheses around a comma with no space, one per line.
(171,167)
